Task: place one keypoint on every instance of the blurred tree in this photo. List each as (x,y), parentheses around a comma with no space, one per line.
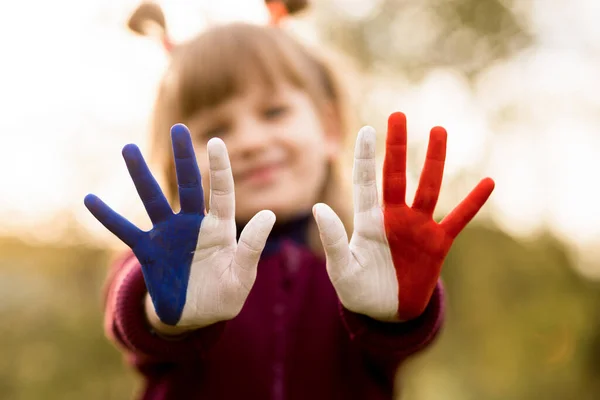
(53,346)
(407,39)
(414,36)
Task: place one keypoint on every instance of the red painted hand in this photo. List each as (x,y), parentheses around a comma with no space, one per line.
(391,266)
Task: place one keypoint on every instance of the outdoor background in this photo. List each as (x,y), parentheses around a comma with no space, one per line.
(516,84)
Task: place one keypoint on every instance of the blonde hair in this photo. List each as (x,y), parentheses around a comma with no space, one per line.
(216,65)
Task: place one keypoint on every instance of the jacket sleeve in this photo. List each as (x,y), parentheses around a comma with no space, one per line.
(126,325)
(388,344)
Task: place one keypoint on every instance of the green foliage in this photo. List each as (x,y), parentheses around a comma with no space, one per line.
(53,345)
(415,36)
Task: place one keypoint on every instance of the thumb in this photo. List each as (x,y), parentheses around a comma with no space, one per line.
(250,246)
(334,239)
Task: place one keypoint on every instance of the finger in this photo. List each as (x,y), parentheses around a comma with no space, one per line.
(251,244)
(191,195)
(222,194)
(119,226)
(364,171)
(394,163)
(458,219)
(154,200)
(430,182)
(334,239)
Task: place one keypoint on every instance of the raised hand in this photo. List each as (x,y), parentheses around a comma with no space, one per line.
(391,266)
(195,270)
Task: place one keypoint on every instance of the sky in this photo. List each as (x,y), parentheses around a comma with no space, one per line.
(75,87)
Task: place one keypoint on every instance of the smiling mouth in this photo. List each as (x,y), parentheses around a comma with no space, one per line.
(262,174)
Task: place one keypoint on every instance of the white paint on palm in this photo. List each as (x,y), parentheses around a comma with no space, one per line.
(223,271)
(362,270)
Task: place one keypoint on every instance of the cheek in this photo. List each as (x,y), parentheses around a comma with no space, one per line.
(202,160)
(310,152)
(311,166)
(333,147)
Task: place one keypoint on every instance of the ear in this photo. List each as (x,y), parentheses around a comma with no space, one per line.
(332,124)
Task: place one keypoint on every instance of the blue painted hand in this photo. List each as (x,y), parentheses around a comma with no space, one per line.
(195,270)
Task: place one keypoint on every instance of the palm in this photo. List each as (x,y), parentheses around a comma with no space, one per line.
(417,233)
(164,253)
(426,237)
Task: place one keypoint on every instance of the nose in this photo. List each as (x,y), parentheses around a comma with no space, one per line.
(251,137)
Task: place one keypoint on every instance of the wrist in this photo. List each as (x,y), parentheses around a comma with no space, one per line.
(387,319)
(160,327)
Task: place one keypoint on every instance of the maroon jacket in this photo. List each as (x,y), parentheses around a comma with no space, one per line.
(292,339)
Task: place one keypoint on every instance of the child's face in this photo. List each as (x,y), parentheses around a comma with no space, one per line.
(279,147)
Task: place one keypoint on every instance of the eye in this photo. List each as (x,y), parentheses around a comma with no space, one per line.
(219,131)
(275,112)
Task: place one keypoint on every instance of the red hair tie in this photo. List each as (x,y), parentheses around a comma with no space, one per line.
(167,43)
(277,11)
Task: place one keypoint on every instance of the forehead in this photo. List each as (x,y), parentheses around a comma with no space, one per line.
(218,67)
(252,98)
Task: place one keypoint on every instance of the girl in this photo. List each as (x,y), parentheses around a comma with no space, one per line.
(227,303)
